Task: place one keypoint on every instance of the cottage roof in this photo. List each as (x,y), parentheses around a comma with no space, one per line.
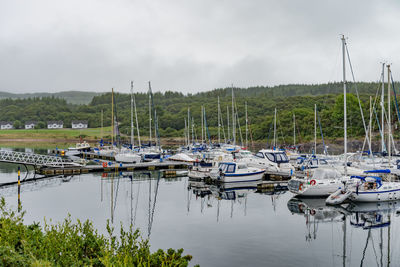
(81,121)
(55,122)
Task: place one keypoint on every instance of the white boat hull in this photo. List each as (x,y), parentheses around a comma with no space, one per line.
(241,178)
(377,196)
(127,158)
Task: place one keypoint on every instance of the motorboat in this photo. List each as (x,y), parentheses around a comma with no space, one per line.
(323,182)
(201,169)
(233,172)
(366,189)
(79,147)
(271,161)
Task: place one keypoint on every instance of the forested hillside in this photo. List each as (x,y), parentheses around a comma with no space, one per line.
(172,109)
(72,97)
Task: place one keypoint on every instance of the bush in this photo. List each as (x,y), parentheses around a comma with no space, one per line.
(76,244)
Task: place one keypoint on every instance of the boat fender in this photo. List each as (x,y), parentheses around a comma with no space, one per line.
(313,182)
(104,164)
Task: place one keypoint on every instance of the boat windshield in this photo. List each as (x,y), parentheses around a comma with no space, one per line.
(277,157)
(326,174)
(227,167)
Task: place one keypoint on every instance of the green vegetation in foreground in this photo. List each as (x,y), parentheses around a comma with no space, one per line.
(60,134)
(75,244)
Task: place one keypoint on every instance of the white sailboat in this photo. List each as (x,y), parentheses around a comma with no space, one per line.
(128,155)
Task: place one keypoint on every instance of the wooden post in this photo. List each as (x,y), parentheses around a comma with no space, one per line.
(19,189)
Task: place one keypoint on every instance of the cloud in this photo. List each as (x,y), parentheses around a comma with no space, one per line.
(187,45)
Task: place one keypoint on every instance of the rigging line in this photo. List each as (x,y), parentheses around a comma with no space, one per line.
(374,110)
(240,129)
(222,123)
(269,134)
(379,126)
(322,135)
(358,97)
(395,98)
(391,135)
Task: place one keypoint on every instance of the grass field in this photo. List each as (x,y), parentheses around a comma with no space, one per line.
(51,134)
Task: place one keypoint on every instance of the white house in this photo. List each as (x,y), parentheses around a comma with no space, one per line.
(5,125)
(79,124)
(30,124)
(54,125)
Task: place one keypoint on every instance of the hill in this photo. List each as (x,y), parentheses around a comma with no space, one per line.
(72,97)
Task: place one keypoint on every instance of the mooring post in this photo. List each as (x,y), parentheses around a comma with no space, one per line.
(19,188)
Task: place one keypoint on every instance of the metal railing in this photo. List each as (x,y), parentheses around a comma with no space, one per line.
(33,159)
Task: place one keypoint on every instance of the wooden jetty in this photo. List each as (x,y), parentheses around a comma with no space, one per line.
(268,185)
(171,166)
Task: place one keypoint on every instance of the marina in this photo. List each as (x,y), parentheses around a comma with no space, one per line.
(202,218)
(195,133)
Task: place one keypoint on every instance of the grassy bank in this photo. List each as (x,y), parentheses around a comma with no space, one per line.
(54,134)
(76,244)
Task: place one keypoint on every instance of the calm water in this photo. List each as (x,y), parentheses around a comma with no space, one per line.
(218,226)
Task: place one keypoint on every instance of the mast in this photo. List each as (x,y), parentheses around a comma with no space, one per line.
(227,115)
(389,117)
(383,108)
(137,122)
(247,128)
(345,105)
(233,121)
(112,117)
(188,123)
(294,130)
(149,114)
(219,124)
(132,136)
(275,130)
(315,129)
(192,130)
(202,126)
(370,122)
(101,132)
(186,141)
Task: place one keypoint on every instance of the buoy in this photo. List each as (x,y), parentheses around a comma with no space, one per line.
(313,182)
(104,164)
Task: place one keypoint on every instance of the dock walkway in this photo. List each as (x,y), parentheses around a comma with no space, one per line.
(114,167)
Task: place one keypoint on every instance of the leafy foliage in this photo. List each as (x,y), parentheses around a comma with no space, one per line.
(76,244)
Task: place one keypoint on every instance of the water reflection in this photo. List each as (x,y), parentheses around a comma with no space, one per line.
(373,219)
(245,226)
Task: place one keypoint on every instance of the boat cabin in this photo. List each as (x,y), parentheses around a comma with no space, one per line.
(273,156)
(231,167)
(322,173)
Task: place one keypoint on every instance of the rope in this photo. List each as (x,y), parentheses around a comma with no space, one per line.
(358,97)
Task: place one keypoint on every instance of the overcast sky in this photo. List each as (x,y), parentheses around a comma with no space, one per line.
(191,46)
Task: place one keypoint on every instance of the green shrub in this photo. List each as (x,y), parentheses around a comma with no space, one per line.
(76,244)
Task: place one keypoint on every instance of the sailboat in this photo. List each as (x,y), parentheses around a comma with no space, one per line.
(326,181)
(129,155)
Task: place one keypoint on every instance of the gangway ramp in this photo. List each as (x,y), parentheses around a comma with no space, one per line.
(33,159)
